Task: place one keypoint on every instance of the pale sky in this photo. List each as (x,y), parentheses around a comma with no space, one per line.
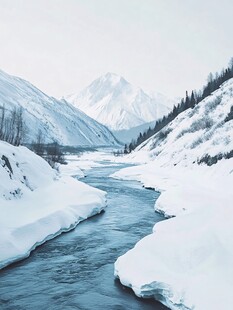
(160,45)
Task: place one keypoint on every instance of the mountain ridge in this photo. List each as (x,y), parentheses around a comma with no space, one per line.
(57,120)
(114,102)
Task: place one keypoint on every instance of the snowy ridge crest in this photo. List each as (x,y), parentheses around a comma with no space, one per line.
(114,102)
(57,120)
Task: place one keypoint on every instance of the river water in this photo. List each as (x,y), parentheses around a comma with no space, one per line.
(75,270)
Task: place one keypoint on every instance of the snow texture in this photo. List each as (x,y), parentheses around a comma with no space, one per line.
(114,102)
(187,262)
(37,203)
(57,120)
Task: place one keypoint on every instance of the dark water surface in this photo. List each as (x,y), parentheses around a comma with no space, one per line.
(75,270)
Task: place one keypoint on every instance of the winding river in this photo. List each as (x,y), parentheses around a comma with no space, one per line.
(75,270)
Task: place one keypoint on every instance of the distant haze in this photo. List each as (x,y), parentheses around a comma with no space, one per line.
(160,45)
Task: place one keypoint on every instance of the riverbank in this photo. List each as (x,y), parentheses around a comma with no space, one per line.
(191,251)
(37,203)
(75,271)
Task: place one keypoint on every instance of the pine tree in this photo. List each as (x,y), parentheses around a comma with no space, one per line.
(213,83)
(231,66)
(131,147)
(192,100)
(187,101)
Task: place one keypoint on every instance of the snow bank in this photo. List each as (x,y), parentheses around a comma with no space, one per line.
(37,204)
(187,262)
(72,168)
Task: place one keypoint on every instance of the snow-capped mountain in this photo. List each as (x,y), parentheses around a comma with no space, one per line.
(114,102)
(58,120)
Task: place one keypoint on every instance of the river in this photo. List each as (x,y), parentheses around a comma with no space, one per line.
(75,270)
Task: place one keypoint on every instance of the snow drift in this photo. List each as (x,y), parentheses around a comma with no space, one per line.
(187,262)
(37,204)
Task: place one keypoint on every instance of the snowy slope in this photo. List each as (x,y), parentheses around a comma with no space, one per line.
(58,120)
(37,204)
(187,262)
(195,132)
(114,102)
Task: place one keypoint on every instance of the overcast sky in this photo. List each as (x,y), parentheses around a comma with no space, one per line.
(161,45)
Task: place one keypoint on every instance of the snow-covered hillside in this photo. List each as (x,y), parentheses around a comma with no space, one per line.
(187,263)
(194,133)
(37,204)
(114,102)
(58,120)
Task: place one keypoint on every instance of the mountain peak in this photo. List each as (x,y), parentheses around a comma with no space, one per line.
(116,103)
(112,79)
(110,75)
(57,120)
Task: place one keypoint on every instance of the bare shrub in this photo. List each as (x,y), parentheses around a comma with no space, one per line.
(211,160)
(196,142)
(12,126)
(200,124)
(229,115)
(210,106)
(164,133)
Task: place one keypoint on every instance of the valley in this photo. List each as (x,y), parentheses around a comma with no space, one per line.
(130,245)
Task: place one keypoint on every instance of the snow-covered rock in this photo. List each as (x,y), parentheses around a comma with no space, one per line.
(37,203)
(187,262)
(57,120)
(114,102)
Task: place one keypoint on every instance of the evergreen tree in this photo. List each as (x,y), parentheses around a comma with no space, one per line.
(213,83)
(126,149)
(131,147)
(187,101)
(231,66)
(192,100)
